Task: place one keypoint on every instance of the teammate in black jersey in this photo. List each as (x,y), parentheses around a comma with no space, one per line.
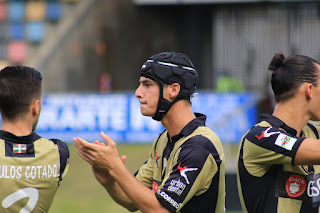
(185,171)
(31,167)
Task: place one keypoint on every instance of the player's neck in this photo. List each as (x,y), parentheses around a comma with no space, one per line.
(292,114)
(18,128)
(177,118)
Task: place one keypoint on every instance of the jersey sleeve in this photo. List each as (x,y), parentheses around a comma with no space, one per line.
(270,145)
(191,175)
(64,157)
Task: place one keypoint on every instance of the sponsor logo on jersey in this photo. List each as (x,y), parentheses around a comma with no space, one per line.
(285,141)
(313,189)
(183,171)
(295,186)
(169,199)
(177,187)
(266,133)
(19,148)
(155,186)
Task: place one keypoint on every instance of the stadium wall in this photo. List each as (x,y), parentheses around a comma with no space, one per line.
(116,37)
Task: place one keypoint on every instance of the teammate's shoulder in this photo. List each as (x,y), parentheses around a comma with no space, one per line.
(57,141)
(62,146)
(311,130)
(259,132)
(261,126)
(205,131)
(202,142)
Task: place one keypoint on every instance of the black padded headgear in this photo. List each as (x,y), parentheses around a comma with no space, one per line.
(168,68)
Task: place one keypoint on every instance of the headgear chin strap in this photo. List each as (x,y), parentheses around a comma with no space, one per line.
(168,68)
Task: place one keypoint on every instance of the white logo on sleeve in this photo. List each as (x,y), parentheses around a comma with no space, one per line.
(183,171)
(285,141)
(268,134)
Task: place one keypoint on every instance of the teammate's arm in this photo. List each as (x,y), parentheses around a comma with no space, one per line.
(308,152)
(113,188)
(143,197)
(269,145)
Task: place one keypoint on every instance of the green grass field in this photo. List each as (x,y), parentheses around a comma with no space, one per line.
(79,192)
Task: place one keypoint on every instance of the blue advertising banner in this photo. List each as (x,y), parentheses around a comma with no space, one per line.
(65,116)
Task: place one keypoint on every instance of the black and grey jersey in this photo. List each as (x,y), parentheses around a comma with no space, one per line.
(188,173)
(266,156)
(31,168)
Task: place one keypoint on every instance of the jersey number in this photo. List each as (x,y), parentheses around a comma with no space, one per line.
(31,193)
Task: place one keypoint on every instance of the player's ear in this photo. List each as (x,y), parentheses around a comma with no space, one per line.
(174,90)
(35,107)
(308,90)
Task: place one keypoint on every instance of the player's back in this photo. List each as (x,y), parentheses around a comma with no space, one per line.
(30,171)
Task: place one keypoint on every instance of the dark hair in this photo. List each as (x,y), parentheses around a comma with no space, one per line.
(288,73)
(19,85)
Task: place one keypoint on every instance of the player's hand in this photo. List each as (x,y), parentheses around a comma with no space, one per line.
(98,154)
(102,176)
(98,143)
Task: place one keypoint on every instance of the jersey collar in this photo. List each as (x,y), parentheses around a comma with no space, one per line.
(276,122)
(16,139)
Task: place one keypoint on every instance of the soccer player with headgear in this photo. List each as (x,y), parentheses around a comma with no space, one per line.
(185,171)
(31,166)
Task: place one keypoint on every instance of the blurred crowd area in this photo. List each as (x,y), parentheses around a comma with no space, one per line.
(24,25)
(100,45)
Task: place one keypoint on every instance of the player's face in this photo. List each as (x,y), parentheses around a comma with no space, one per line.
(148,94)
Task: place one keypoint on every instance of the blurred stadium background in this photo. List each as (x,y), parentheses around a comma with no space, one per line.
(90,53)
